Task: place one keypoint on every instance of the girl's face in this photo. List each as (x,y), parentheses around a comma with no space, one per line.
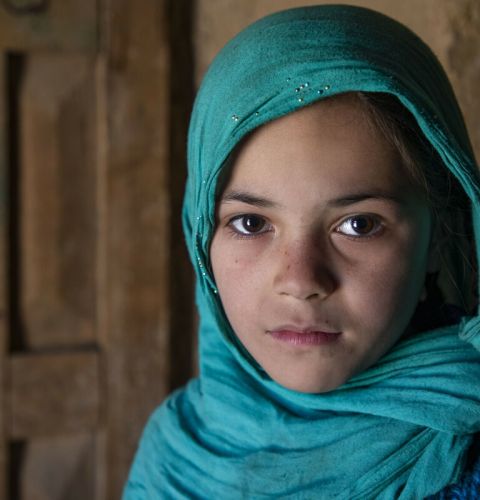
(321,246)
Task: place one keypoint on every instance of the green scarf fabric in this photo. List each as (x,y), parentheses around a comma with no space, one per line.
(402,428)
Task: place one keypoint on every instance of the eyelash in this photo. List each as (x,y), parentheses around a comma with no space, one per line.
(375,220)
(377,229)
(238,234)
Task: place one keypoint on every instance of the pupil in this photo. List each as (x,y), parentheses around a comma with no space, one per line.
(362,225)
(252,223)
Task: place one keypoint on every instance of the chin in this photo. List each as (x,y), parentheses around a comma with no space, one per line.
(310,386)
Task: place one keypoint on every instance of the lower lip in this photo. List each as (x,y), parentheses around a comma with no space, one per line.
(305,338)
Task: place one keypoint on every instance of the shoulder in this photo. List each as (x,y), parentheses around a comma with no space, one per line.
(139,481)
(146,475)
(468,486)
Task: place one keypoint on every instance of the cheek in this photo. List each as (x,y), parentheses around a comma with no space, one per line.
(385,289)
(237,275)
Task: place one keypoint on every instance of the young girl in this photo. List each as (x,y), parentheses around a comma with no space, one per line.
(329,210)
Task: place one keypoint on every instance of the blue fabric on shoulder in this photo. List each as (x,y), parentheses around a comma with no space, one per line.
(468,487)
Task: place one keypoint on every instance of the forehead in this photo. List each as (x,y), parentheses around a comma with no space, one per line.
(332,144)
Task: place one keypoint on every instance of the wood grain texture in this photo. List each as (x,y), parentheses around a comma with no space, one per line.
(59,468)
(61,25)
(53,394)
(57,148)
(136,262)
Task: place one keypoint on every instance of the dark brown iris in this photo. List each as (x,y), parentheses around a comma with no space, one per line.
(363,225)
(253,223)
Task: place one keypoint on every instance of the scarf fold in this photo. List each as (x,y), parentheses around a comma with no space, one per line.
(399,430)
(402,428)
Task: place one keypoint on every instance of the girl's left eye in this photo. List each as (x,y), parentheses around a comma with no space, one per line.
(249,225)
(360,226)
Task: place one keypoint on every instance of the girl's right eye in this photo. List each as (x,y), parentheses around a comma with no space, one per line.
(249,225)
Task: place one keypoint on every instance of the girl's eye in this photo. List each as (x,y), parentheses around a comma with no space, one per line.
(249,225)
(360,226)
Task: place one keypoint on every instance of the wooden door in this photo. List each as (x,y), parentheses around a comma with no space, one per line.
(95,101)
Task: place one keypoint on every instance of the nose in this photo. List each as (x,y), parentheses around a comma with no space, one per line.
(304,270)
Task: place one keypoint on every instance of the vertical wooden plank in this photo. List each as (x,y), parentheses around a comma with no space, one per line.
(3,277)
(136,264)
(47,250)
(58,219)
(102,288)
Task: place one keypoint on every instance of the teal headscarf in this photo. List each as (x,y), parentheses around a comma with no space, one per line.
(402,428)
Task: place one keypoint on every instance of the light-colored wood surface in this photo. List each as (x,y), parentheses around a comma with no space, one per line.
(60,468)
(58,228)
(136,261)
(86,357)
(53,394)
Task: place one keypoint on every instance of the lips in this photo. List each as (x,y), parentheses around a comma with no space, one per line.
(294,335)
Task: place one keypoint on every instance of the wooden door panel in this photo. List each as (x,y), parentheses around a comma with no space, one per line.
(60,468)
(57,151)
(53,394)
(50,365)
(91,196)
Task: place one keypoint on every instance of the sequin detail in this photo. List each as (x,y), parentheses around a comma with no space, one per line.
(302,91)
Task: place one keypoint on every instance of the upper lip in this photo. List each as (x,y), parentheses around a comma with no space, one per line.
(318,328)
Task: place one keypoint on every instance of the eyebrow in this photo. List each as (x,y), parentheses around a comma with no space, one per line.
(349,199)
(249,199)
(372,195)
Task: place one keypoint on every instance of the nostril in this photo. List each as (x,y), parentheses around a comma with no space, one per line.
(304,286)
(302,270)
